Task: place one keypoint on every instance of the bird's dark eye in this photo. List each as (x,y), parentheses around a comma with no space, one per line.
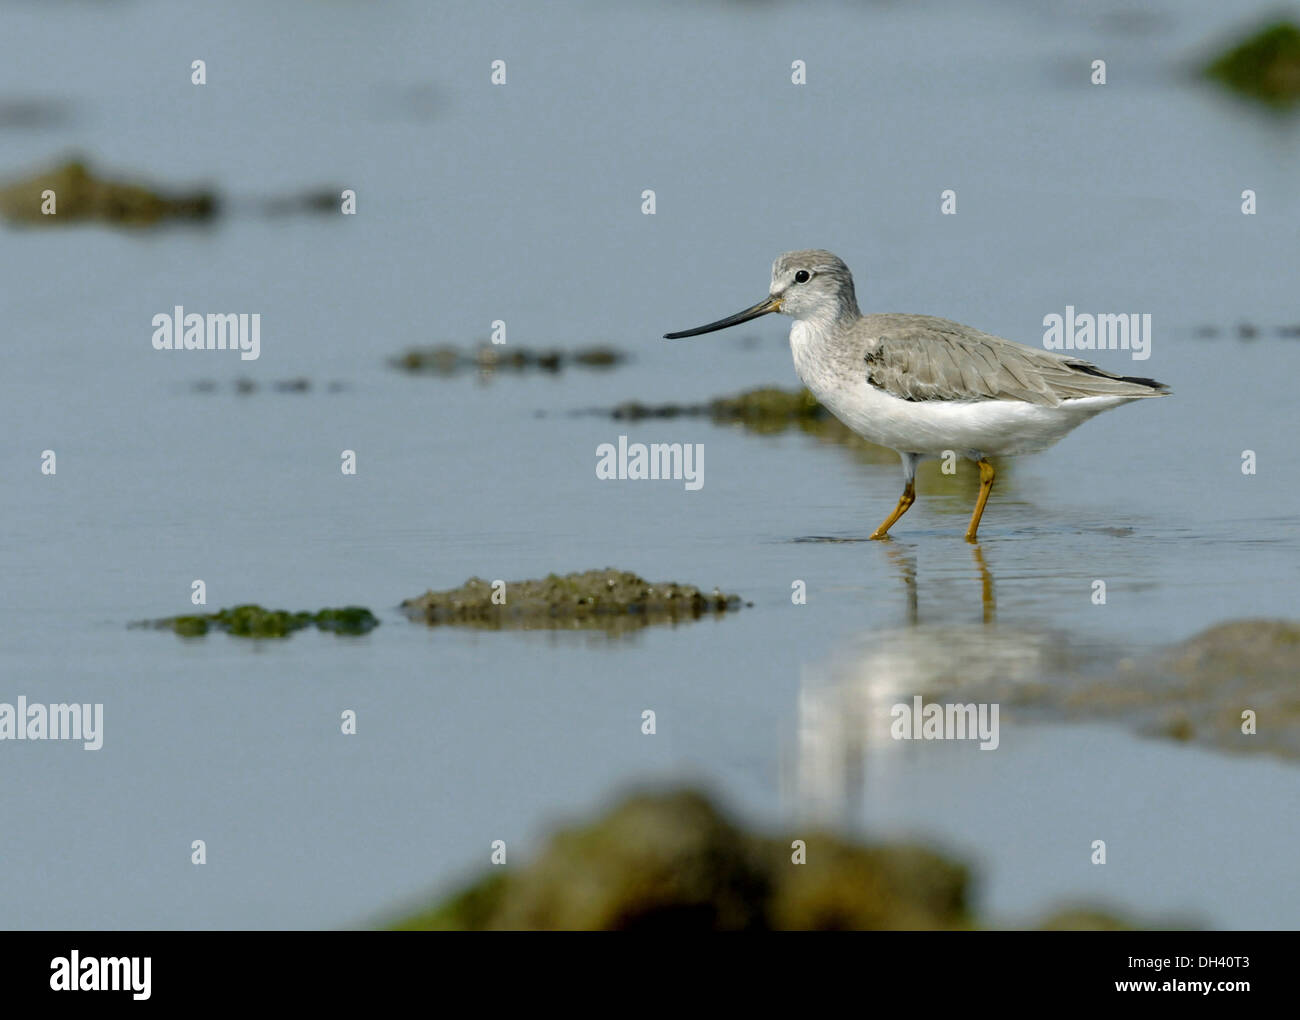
(803,276)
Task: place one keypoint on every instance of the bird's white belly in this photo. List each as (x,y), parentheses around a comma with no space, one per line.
(932,427)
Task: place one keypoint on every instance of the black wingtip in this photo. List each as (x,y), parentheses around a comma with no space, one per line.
(1140,380)
(1136,380)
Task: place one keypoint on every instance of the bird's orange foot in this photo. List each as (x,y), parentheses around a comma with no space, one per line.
(904,501)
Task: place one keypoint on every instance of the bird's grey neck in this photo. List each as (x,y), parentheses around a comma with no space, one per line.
(833,318)
(849,302)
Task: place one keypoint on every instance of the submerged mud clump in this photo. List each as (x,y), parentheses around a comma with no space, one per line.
(767,409)
(79,196)
(1247,331)
(1264,67)
(1232,687)
(74,193)
(672,861)
(597,599)
(253,621)
(487,359)
(244,386)
(33,112)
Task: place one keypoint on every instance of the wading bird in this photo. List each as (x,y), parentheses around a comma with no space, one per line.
(922,385)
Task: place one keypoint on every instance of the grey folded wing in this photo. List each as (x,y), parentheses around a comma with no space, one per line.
(919,357)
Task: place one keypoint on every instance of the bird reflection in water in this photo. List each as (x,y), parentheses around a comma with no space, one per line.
(845,752)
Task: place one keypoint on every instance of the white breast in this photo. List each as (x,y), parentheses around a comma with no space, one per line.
(931,427)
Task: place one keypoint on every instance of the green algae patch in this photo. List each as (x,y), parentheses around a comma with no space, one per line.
(79,195)
(607,599)
(348,620)
(488,359)
(670,860)
(189,626)
(256,622)
(252,621)
(1264,67)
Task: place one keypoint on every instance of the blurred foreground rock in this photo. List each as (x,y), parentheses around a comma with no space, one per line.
(671,861)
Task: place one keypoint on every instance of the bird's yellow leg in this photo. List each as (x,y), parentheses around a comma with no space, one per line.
(986,486)
(904,501)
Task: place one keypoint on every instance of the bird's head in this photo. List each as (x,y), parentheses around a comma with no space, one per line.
(811,284)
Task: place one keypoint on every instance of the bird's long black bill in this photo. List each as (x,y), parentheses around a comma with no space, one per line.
(764,307)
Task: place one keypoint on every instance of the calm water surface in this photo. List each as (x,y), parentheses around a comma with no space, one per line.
(522,203)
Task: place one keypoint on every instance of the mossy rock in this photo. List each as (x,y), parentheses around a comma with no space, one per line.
(253,621)
(81,196)
(1265,66)
(597,599)
(669,860)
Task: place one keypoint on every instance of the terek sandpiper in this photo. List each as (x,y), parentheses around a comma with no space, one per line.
(924,386)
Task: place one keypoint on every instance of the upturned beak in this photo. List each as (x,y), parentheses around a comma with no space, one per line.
(764,307)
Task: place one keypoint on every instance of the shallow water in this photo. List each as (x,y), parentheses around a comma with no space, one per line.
(522,203)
